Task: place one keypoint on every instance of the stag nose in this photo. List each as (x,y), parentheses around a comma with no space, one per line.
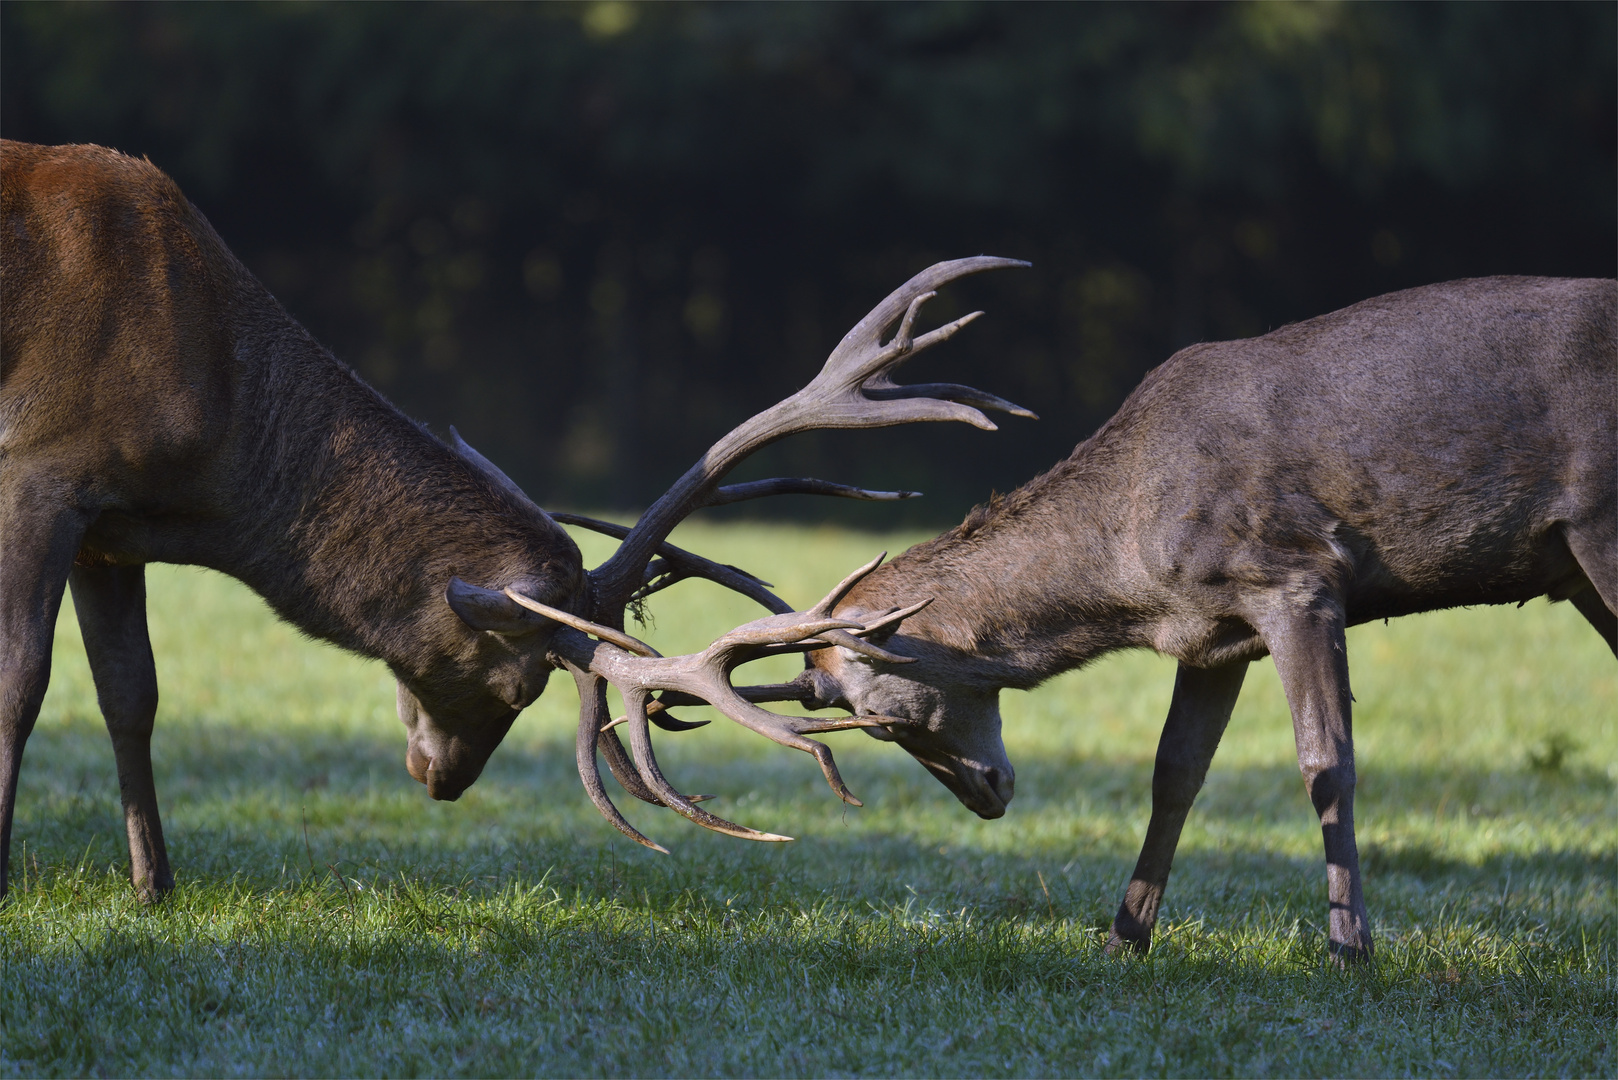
(982,796)
(1003,782)
(442,788)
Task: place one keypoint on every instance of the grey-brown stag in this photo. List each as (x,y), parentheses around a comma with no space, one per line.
(158,405)
(1444,446)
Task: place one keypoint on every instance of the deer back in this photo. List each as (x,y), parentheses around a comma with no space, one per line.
(1417,450)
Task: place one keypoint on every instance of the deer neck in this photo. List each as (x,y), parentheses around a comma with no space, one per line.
(350,519)
(1030,585)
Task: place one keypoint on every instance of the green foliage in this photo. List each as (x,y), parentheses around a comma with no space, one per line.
(591,235)
(330,919)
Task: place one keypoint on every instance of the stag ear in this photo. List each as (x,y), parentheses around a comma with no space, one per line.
(884,635)
(492,610)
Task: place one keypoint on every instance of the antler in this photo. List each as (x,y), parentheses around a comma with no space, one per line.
(637,671)
(853,390)
(677,564)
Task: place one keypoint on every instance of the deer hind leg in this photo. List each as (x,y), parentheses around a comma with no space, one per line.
(111,605)
(1201,707)
(37,544)
(1311,656)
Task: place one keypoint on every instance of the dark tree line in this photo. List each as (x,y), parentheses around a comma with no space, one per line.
(594,236)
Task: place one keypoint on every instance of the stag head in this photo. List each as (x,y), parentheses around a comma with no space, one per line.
(945,717)
(582,630)
(458,710)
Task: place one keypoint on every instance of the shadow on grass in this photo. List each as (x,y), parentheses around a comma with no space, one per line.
(242,759)
(260,807)
(410,983)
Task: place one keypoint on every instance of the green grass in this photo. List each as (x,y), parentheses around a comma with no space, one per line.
(330,919)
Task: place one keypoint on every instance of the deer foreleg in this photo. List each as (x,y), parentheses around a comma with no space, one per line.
(37,546)
(1590,605)
(111,605)
(1596,549)
(1201,707)
(1311,656)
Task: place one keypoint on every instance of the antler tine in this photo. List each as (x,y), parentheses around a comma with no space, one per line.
(640,742)
(658,575)
(815,628)
(861,646)
(585,626)
(667,722)
(855,640)
(789,691)
(757,489)
(894,617)
(796,690)
(622,767)
(906,300)
(593,665)
(833,598)
(592,711)
(788,732)
(777,633)
(879,388)
(705,677)
(710,680)
(731,577)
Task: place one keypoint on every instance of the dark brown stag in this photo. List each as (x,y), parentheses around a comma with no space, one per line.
(1445,446)
(158,405)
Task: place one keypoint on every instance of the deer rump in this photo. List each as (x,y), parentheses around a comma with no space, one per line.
(1442,446)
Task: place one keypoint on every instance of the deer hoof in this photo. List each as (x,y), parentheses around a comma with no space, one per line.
(150,893)
(1347,956)
(1127,946)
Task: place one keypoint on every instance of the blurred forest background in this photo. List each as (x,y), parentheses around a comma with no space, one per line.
(594,236)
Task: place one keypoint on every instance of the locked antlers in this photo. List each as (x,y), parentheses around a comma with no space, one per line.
(854,389)
(637,670)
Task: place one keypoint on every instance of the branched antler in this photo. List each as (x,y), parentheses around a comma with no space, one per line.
(840,396)
(854,389)
(637,671)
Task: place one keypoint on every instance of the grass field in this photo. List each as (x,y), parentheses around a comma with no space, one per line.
(330,919)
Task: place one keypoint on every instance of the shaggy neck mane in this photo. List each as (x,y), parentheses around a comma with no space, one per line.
(1028,585)
(359,516)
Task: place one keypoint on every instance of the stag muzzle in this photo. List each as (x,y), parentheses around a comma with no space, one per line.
(983,789)
(953,730)
(446,762)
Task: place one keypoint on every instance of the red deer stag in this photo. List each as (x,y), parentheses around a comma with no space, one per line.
(158,405)
(1444,446)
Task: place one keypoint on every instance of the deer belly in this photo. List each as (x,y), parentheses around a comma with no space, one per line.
(1463,572)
